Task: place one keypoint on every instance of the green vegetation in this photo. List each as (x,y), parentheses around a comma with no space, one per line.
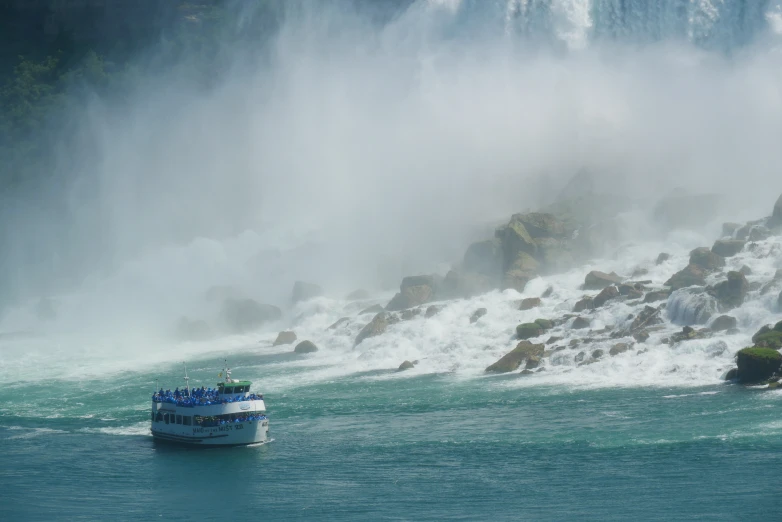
(757,364)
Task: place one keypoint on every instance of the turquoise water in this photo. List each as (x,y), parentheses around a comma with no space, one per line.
(366,446)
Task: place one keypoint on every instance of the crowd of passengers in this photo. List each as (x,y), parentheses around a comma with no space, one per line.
(199,397)
(208,422)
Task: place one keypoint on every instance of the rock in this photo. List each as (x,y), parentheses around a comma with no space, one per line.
(242,315)
(691,275)
(516,279)
(757,364)
(608,293)
(405,366)
(193,329)
(546,324)
(657,295)
(408,314)
(731,293)
(618,348)
(580,323)
(485,257)
(728,247)
(458,284)
(692,305)
(687,334)
(662,258)
(596,280)
(779,301)
(45,309)
(553,339)
(284,338)
(745,270)
(477,314)
(630,289)
(732,374)
(376,326)
(532,362)
(374,309)
(515,239)
(414,291)
(526,372)
(597,354)
(547,292)
(728,229)
(432,311)
(529,330)
(649,316)
(580,356)
(305,347)
(586,303)
(512,360)
(305,291)
(641,336)
(574,342)
(357,295)
(706,259)
(542,225)
(759,233)
(555,255)
(773,284)
(529,303)
(722,323)
(776,216)
(638,272)
(338,323)
(768,337)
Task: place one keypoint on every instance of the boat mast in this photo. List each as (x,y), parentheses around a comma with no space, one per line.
(187,380)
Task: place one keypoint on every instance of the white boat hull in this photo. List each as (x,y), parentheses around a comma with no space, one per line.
(227,434)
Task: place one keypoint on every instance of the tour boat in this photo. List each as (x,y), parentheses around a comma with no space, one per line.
(227,415)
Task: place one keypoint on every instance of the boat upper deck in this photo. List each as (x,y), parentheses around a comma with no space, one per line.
(225,393)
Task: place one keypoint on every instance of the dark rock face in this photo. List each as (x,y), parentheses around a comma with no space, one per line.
(597,354)
(687,334)
(305,291)
(706,259)
(376,326)
(691,275)
(641,336)
(432,311)
(759,233)
(596,280)
(649,316)
(546,324)
(757,364)
(477,314)
(587,303)
(745,270)
(618,348)
(466,284)
(512,360)
(405,366)
(732,374)
(305,347)
(579,323)
(662,258)
(776,216)
(768,337)
(608,293)
(414,291)
(728,247)
(529,330)
(779,300)
(242,315)
(529,303)
(657,295)
(722,323)
(731,293)
(484,257)
(284,338)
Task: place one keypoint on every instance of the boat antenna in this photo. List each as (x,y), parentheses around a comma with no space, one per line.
(187,380)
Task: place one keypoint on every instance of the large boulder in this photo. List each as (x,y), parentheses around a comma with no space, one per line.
(731,293)
(657,295)
(691,275)
(406,365)
(376,326)
(477,314)
(515,239)
(596,280)
(459,283)
(608,293)
(722,323)
(585,303)
(776,216)
(555,255)
(579,323)
(305,347)
(484,257)
(542,225)
(529,303)
(305,291)
(285,338)
(757,364)
(512,360)
(768,337)
(529,330)
(727,247)
(414,291)
(706,259)
(242,315)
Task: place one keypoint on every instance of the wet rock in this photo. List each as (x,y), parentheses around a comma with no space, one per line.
(529,330)
(779,300)
(546,324)
(515,239)
(691,305)
(542,225)
(242,315)
(597,354)
(608,293)
(691,275)
(459,284)
(374,309)
(193,329)
(732,331)
(731,293)
(516,279)
(641,336)
(596,280)
(305,291)
(722,323)
(732,374)
(662,258)
(630,289)
(484,257)
(553,339)
(775,282)
(410,313)
(657,295)
(745,270)
(618,348)
(639,272)
(532,362)
(586,303)
(728,229)
(706,259)
(339,322)
(547,292)
(376,326)
(574,342)
(407,365)
(284,338)
(526,372)
(687,334)
(512,360)
(634,294)
(432,310)
(768,337)
(579,323)
(580,356)
(414,291)
(759,233)
(477,314)
(728,247)
(529,303)
(649,316)
(757,364)
(776,215)
(357,295)
(305,347)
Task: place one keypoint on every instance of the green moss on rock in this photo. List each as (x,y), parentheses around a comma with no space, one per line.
(529,330)
(757,364)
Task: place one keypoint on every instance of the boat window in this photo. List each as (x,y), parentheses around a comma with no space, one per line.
(229,390)
(165,418)
(197,420)
(246,388)
(153,416)
(186,420)
(179,419)
(159,417)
